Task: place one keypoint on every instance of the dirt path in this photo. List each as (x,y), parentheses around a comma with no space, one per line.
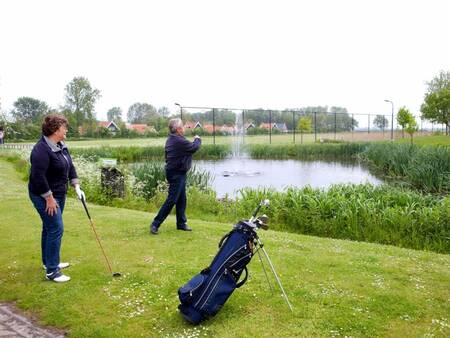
(14,324)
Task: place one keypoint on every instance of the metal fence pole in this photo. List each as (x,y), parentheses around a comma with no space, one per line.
(270,126)
(315,126)
(243,127)
(335,125)
(214,126)
(368,124)
(293,125)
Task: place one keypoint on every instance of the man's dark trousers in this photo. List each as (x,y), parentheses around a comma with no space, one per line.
(177,196)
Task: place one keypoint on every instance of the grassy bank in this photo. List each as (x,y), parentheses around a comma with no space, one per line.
(138,153)
(337,288)
(384,214)
(425,168)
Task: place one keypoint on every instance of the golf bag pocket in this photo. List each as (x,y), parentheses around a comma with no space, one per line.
(190,291)
(219,293)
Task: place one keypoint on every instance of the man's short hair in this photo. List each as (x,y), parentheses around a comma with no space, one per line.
(174,124)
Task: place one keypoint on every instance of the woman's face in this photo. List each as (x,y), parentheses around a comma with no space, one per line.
(61,133)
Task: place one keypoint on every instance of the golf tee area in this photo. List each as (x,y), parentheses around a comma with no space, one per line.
(337,288)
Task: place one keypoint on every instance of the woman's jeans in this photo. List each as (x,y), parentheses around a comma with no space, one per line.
(52,231)
(177,197)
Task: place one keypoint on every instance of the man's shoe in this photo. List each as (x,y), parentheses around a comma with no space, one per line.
(153,230)
(60,266)
(57,277)
(184,228)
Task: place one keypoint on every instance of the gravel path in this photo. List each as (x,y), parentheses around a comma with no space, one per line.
(15,324)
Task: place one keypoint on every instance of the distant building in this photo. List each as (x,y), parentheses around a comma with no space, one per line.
(140,128)
(248,126)
(193,125)
(110,125)
(278,126)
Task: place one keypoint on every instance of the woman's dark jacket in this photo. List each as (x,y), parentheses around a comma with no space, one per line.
(51,169)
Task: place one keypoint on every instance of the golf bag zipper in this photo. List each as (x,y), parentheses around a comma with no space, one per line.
(213,288)
(218,279)
(242,247)
(247,255)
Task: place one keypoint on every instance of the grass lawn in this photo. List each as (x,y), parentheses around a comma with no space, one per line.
(264,139)
(337,288)
(433,140)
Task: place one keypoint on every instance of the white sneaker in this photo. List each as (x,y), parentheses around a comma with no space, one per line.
(60,266)
(57,277)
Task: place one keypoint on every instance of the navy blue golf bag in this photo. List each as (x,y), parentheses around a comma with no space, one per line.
(204,295)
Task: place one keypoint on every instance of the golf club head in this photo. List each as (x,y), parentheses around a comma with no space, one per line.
(116,274)
(264,218)
(264,226)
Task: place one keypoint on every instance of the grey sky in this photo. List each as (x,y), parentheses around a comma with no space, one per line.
(269,54)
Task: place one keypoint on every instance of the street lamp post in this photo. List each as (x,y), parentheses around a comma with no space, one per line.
(181,110)
(392,119)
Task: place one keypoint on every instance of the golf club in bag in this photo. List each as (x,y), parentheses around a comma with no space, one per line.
(204,295)
(114,274)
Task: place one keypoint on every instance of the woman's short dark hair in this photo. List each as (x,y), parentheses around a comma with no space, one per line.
(52,123)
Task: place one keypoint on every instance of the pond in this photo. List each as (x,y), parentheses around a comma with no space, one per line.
(236,173)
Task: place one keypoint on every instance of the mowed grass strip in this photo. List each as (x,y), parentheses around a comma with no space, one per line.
(337,288)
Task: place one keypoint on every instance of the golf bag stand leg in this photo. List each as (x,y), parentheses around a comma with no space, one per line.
(261,245)
(265,273)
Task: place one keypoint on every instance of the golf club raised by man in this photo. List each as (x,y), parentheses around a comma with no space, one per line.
(178,155)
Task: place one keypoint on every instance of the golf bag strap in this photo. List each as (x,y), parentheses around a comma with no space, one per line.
(242,282)
(224,238)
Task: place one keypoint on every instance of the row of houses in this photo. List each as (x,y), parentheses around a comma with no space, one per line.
(114,128)
(231,129)
(209,128)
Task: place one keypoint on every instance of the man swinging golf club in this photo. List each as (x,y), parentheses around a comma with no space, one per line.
(178,154)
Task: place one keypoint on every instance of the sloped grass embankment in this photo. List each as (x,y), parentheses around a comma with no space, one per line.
(338,288)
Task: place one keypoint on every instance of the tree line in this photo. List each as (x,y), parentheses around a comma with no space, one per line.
(81,97)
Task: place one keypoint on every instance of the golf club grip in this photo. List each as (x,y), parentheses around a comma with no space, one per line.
(85,208)
(256,210)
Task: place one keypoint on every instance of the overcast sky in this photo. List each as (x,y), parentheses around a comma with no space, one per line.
(244,54)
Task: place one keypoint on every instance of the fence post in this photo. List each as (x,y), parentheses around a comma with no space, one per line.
(368,123)
(315,126)
(214,126)
(243,127)
(335,125)
(270,126)
(293,125)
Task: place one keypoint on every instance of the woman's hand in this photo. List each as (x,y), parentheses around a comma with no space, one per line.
(51,206)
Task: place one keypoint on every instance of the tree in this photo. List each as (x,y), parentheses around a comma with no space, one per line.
(304,125)
(439,82)
(81,99)
(411,127)
(437,108)
(403,117)
(28,110)
(381,122)
(141,113)
(164,111)
(114,114)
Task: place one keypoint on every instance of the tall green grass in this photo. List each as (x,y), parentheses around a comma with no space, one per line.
(135,153)
(302,151)
(150,177)
(426,168)
(380,214)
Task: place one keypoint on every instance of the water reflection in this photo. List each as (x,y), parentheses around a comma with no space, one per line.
(236,173)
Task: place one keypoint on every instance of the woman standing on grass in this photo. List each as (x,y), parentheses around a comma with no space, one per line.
(51,170)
